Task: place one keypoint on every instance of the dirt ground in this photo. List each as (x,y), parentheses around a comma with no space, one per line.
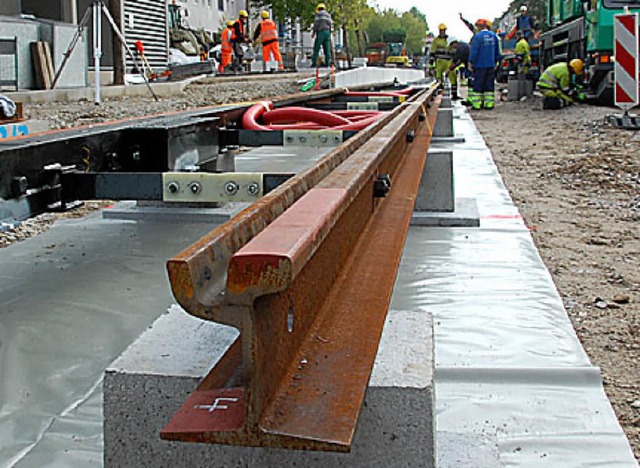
(576,181)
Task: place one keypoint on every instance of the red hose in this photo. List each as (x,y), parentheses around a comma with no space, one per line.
(253,113)
(303,114)
(262,116)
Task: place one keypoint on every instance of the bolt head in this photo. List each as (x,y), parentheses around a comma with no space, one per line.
(231,187)
(173,187)
(195,187)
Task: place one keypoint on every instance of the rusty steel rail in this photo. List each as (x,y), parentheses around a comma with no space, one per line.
(306,275)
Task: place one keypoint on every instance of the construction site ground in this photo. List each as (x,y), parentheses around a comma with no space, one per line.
(575,179)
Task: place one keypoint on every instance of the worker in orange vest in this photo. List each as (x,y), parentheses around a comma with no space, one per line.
(239,37)
(268,33)
(226,52)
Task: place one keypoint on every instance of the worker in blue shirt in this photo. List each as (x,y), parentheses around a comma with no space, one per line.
(525,23)
(484,55)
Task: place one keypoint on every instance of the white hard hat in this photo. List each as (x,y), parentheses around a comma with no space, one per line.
(523,8)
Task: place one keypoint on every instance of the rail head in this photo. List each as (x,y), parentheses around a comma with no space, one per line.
(198,273)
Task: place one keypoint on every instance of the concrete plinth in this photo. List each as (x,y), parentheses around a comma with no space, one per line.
(519,88)
(436,204)
(444,123)
(149,382)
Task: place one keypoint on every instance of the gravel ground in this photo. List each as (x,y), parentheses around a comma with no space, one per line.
(575,180)
(208,93)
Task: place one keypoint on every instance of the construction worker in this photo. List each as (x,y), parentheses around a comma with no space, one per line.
(483,57)
(523,54)
(525,23)
(226,51)
(267,31)
(321,31)
(556,82)
(441,54)
(238,38)
(460,59)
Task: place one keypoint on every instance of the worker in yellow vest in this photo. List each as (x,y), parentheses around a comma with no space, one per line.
(267,31)
(441,54)
(226,51)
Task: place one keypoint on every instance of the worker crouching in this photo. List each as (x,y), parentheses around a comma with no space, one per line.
(557,83)
(267,32)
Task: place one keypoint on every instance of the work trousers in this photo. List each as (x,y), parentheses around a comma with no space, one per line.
(225,60)
(442,66)
(272,48)
(482,93)
(323,39)
(238,56)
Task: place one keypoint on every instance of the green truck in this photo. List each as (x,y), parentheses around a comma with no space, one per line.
(584,29)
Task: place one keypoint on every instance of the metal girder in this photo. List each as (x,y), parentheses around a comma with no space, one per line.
(299,274)
(240,137)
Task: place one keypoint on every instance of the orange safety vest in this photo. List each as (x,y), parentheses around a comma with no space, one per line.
(268,31)
(226,41)
(233,31)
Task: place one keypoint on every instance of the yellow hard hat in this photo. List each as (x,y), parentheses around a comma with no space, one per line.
(577,65)
(264,14)
(442,26)
(230,23)
(321,6)
(243,13)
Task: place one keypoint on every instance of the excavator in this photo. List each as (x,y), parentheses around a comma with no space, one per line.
(390,53)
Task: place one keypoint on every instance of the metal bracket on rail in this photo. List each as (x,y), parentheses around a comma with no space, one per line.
(172,187)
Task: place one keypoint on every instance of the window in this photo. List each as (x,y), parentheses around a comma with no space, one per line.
(221,5)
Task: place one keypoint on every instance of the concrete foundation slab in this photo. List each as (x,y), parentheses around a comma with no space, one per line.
(132,211)
(371,75)
(148,382)
(465,215)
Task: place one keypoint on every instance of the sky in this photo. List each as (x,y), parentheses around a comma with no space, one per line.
(446,11)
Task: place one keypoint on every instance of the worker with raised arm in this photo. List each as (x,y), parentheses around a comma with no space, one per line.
(321,32)
(238,38)
(441,54)
(483,57)
(525,23)
(468,24)
(226,49)
(556,82)
(460,58)
(267,32)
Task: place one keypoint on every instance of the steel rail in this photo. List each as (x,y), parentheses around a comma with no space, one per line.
(306,275)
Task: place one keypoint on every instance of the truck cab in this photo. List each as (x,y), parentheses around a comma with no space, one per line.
(584,29)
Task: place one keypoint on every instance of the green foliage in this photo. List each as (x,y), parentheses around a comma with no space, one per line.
(383,26)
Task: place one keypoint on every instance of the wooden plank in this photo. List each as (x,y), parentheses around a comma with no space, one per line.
(49,72)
